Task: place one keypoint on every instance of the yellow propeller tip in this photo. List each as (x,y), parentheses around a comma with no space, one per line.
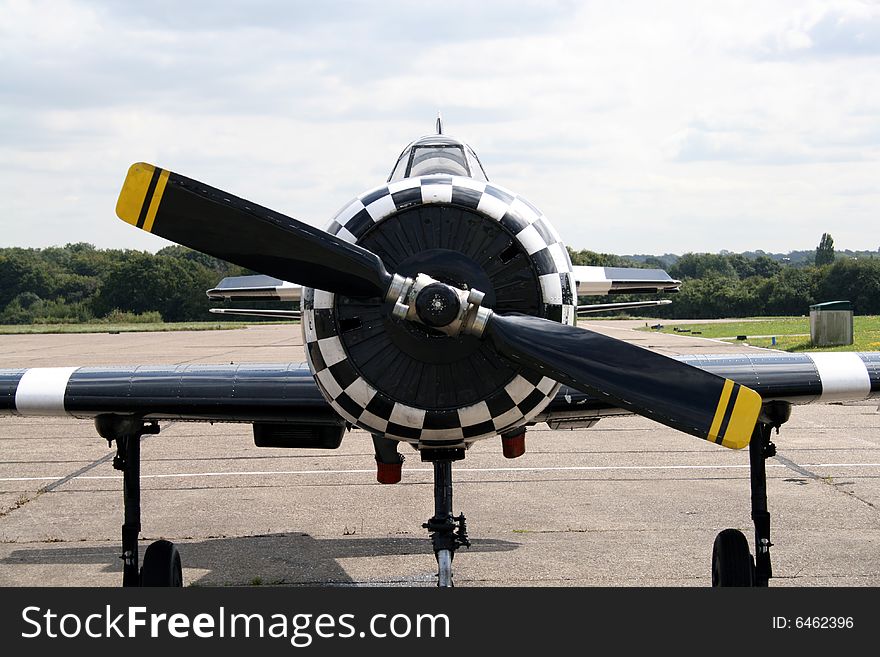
(141,194)
(745,414)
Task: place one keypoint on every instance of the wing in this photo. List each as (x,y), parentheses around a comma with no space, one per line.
(274,393)
(624,305)
(619,280)
(257,312)
(287,393)
(255,288)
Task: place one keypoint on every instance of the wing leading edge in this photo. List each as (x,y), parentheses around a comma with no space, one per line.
(594,281)
(624,305)
(255,288)
(287,393)
(258,312)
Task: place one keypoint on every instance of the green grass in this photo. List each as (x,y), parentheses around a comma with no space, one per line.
(104,327)
(792,333)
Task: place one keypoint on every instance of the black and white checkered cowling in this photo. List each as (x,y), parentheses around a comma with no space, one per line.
(359,402)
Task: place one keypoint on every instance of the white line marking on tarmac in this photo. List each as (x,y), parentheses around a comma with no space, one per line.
(571,468)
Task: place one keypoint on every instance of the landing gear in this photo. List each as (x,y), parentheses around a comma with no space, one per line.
(732,564)
(761,449)
(161,565)
(448,532)
(161,559)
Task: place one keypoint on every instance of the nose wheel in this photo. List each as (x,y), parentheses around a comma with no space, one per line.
(448,532)
(444,569)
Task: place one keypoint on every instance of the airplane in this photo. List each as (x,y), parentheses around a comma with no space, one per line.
(437,309)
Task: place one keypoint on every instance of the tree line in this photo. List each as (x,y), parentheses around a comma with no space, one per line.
(80,283)
(733,285)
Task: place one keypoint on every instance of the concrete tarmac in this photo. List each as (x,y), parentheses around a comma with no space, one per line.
(625,503)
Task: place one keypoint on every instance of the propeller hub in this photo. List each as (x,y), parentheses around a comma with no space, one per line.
(437,305)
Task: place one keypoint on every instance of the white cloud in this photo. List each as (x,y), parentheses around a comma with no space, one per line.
(637,127)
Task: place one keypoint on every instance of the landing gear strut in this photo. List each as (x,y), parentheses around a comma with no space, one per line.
(760,449)
(448,532)
(161,559)
(732,564)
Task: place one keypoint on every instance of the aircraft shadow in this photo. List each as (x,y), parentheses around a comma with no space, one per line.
(289,559)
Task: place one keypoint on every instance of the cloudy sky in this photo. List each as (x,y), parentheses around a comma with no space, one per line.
(637,127)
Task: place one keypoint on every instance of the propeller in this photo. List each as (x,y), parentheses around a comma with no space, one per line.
(212,221)
(660,388)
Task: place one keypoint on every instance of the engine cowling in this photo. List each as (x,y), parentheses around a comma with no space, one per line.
(405,380)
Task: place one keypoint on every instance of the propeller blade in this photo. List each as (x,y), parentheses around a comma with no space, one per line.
(209,220)
(660,388)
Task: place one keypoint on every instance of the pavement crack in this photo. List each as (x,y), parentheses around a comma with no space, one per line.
(804,472)
(791,465)
(48,488)
(20,502)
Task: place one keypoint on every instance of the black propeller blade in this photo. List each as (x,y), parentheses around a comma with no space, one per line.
(209,220)
(650,384)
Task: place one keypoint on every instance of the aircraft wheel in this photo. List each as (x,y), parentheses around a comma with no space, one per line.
(161,565)
(444,572)
(732,563)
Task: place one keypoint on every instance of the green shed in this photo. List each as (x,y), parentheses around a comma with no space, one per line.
(831,324)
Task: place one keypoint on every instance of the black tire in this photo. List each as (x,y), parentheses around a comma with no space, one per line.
(161,565)
(732,563)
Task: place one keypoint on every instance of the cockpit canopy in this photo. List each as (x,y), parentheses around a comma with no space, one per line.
(437,154)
